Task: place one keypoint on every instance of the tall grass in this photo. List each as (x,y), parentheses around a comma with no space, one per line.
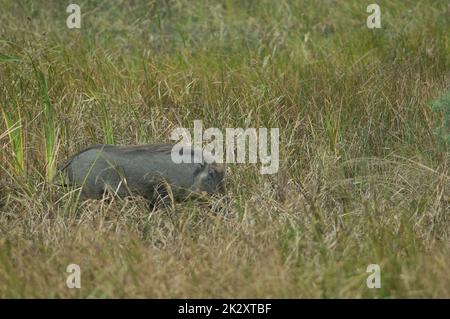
(14,125)
(363,178)
(50,135)
(442,104)
(15,133)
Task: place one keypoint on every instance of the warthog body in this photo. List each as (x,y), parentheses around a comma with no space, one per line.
(146,170)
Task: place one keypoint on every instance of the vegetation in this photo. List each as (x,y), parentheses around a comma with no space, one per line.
(363,179)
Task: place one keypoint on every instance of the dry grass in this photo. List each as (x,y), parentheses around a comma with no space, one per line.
(363,178)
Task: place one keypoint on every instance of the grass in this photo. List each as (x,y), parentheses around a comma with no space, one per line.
(363,179)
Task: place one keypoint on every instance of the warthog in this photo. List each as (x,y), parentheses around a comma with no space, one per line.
(145,170)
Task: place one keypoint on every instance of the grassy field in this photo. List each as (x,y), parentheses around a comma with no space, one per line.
(364,175)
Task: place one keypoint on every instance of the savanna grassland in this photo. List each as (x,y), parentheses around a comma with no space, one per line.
(364,171)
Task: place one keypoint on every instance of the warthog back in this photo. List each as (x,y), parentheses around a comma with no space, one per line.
(146,170)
